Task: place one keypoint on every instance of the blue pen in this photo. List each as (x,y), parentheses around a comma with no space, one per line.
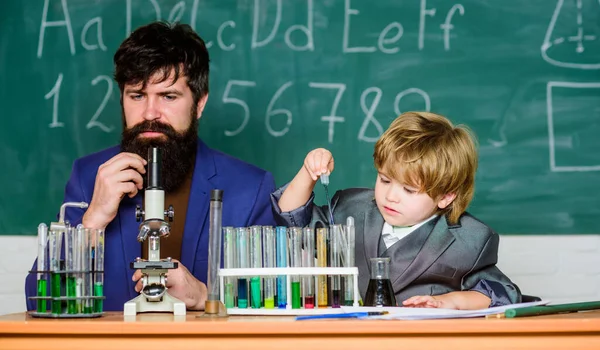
(346,315)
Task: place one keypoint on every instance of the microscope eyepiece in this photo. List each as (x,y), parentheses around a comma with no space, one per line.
(154,168)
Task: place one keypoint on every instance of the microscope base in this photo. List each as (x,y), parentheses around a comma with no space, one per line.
(140,304)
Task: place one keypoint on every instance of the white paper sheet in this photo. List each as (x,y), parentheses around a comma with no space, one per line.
(410,313)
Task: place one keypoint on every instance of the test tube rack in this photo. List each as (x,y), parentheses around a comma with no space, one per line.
(287,271)
(63,300)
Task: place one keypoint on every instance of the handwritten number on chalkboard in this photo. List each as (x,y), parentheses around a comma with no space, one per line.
(332,118)
(237,101)
(93,122)
(271,112)
(411,91)
(55,95)
(370,113)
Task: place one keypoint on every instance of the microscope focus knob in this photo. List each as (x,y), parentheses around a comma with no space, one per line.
(139,213)
(170,213)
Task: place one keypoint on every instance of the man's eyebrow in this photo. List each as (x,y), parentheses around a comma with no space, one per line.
(171,92)
(133,91)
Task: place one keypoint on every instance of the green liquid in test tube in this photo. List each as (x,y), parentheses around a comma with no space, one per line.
(78,264)
(269,261)
(69,265)
(86,268)
(98,269)
(229,257)
(255,262)
(42,283)
(54,242)
(296,261)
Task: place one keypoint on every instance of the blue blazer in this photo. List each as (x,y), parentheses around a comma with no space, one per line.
(246,202)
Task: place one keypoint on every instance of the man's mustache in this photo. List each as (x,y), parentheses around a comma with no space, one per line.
(152,126)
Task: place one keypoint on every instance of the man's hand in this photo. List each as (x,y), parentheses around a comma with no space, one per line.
(120,175)
(182,285)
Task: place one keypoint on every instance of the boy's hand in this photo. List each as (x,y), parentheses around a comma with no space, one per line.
(428,301)
(318,162)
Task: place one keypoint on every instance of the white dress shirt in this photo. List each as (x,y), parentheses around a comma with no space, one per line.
(392,234)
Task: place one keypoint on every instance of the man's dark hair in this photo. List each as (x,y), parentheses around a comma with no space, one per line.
(161,47)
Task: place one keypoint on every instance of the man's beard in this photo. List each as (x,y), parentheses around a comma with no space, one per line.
(178,149)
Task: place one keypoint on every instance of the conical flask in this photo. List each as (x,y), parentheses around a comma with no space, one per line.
(573,36)
(380,291)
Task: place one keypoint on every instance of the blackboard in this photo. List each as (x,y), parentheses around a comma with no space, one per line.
(290,76)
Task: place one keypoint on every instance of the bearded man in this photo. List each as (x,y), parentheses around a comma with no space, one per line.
(162,71)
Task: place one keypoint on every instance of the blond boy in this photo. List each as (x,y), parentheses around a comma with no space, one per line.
(441,256)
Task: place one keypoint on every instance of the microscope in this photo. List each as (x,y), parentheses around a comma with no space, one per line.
(154,296)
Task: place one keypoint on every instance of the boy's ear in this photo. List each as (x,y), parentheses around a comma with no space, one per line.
(446,200)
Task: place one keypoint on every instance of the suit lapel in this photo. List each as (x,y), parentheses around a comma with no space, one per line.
(427,248)
(198,205)
(373,224)
(129,231)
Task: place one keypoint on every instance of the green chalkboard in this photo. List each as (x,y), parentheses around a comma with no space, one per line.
(289,76)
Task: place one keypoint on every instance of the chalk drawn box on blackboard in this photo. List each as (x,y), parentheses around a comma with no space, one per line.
(569,104)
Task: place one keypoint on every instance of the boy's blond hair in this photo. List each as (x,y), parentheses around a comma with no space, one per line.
(426,151)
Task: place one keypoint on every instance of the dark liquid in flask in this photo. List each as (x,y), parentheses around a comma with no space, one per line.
(380,293)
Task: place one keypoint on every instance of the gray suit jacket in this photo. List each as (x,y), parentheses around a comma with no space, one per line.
(436,258)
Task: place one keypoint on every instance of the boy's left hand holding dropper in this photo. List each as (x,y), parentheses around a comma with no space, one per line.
(317,162)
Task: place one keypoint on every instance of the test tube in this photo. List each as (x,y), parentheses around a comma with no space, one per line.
(214,250)
(334,261)
(69,265)
(42,265)
(99,270)
(296,261)
(255,262)
(269,261)
(229,263)
(78,264)
(349,261)
(86,249)
(309,261)
(242,259)
(322,262)
(282,261)
(54,242)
